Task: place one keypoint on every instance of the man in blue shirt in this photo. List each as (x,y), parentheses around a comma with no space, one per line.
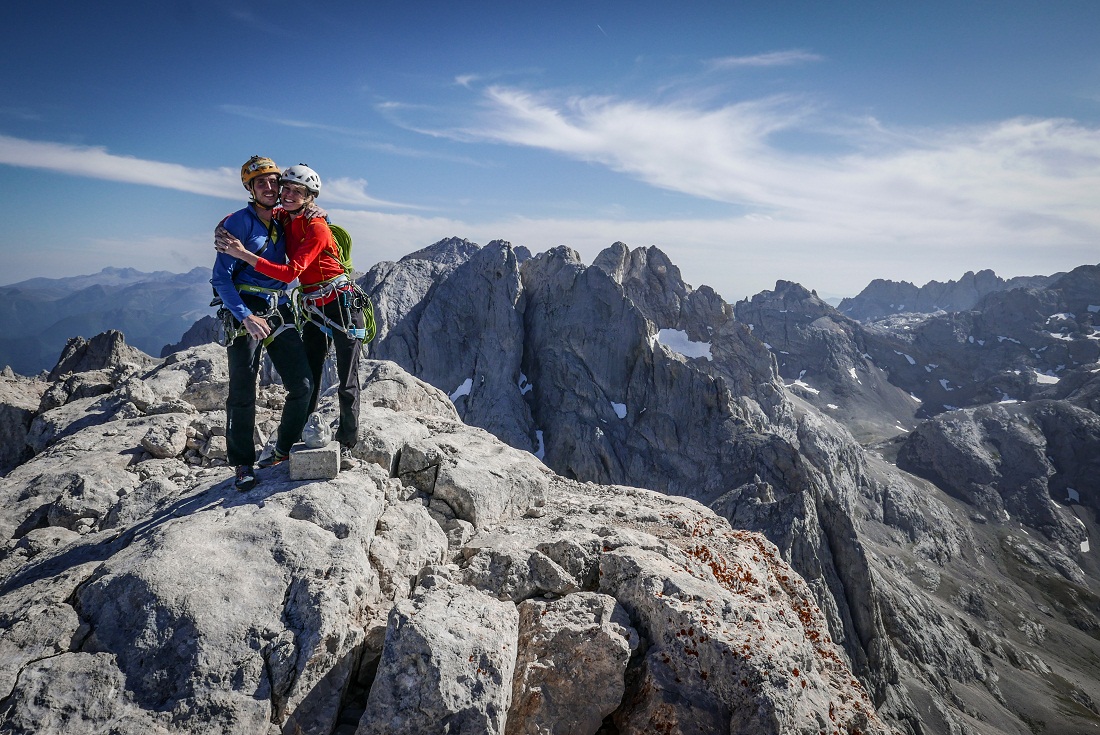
(262,318)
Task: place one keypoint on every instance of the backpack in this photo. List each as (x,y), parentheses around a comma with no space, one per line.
(359,299)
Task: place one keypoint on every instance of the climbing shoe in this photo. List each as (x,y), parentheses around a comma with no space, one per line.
(276,457)
(246,478)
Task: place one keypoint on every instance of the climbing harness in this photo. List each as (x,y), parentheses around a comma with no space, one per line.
(309,307)
(232,329)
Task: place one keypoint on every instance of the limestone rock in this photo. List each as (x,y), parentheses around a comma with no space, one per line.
(884,297)
(19,401)
(571,670)
(483,494)
(106,350)
(142,594)
(1013,461)
(407,540)
(166,439)
(447,665)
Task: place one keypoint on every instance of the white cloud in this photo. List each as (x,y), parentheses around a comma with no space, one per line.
(352,192)
(975,184)
(775,58)
(277,118)
(95,162)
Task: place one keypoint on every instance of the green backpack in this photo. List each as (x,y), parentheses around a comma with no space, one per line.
(360,300)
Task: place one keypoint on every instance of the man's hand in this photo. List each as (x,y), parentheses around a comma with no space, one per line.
(311,211)
(257,328)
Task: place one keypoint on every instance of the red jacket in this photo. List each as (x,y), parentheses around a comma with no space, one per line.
(312,255)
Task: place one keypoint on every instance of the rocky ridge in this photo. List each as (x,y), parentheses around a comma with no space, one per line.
(881,378)
(883,297)
(447,583)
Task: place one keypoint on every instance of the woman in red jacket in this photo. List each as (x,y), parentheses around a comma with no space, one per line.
(313,259)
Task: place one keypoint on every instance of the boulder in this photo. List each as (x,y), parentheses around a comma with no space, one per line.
(447,664)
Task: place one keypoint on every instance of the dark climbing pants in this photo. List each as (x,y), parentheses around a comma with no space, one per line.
(347,351)
(288,356)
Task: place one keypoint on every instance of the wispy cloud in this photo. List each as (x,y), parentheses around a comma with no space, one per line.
(353,192)
(774,58)
(277,118)
(96,163)
(978,181)
(261,25)
(20,113)
(352,137)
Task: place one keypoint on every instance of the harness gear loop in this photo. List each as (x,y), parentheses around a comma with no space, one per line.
(308,306)
(232,329)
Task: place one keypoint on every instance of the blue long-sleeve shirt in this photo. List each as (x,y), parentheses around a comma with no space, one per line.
(228,272)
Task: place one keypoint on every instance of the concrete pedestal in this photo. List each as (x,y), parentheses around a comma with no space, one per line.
(315,464)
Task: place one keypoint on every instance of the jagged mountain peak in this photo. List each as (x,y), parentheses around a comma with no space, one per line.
(450,251)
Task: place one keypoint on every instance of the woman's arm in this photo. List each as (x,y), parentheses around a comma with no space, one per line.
(300,251)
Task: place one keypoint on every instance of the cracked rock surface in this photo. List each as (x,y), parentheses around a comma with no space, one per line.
(463,586)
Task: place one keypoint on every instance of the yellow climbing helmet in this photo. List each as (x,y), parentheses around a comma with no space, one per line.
(257,166)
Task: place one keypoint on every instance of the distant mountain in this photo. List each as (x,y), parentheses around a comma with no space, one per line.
(882,376)
(151,309)
(882,297)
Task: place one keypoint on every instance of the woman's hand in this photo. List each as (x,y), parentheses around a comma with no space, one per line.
(231,246)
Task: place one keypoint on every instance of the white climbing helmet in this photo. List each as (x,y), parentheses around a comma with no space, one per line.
(304,175)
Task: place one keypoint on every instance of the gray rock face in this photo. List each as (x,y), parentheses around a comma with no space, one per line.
(142,593)
(107,350)
(447,664)
(823,358)
(632,377)
(19,402)
(1014,461)
(462,332)
(202,332)
(571,675)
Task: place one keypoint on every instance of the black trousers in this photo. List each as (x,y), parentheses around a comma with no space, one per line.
(348,351)
(288,356)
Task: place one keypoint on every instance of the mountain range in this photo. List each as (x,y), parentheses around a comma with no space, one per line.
(784,512)
(151,309)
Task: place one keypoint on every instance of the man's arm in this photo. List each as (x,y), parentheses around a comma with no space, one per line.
(225,268)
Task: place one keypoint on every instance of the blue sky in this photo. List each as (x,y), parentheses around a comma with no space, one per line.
(828,143)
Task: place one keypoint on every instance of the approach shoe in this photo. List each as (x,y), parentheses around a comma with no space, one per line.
(246,478)
(276,457)
(347,460)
